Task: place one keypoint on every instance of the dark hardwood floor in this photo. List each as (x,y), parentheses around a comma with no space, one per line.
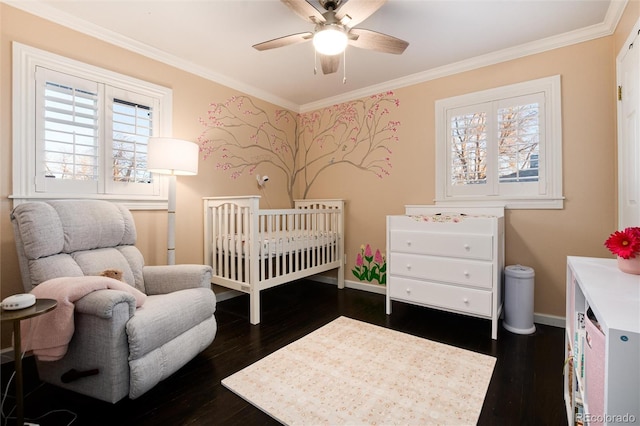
(526,387)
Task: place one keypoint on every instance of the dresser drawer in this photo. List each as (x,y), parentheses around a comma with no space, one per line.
(468,246)
(444,296)
(473,273)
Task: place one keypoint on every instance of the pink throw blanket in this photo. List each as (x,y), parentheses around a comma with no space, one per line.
(49,335)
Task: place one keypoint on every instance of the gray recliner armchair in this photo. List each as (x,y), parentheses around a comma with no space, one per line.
(132,350)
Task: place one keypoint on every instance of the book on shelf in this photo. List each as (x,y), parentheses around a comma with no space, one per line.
(579,320)
(569,373)
(579,412)
(570,380)
(578,347)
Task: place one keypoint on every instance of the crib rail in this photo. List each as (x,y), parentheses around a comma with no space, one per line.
(250,248)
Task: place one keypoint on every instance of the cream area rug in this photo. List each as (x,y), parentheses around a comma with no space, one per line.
(353,373)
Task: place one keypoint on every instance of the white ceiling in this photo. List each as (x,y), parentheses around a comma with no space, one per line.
(213,38)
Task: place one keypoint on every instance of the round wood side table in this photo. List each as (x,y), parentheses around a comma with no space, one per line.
(41,306)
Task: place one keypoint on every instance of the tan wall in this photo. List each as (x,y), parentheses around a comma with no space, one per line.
(539,238)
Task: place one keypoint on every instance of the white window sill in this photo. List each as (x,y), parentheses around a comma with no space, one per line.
(137,203)
(509,204)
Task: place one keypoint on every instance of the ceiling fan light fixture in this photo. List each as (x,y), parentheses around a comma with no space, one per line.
(330,40)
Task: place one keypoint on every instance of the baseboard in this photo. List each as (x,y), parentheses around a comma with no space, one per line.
(372,288)
(228,294)
(224,293)
(544,319)
(552,320)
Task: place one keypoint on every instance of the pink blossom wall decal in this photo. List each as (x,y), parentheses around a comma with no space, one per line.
(370,267)
(378,257)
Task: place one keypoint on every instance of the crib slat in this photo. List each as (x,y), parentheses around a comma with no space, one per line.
(225,230)
(292,232)
(279,243)
(232,240)
(295,263)
(219,243)
(271,241)
(309,219)
(325,241)
(260,236)
(244,244)
(237,243)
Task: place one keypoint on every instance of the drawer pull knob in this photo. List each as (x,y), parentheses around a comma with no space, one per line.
(467,247)
(466,274)
(408,266)
(408,291)
(409,242)
(466,301)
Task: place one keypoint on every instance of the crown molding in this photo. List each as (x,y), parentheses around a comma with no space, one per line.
(603,29)
(606,28)
(45,11)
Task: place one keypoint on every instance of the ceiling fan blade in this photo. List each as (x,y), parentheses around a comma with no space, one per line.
(304,10)
(356,11)
(283,41)
(329,63)
(373,40)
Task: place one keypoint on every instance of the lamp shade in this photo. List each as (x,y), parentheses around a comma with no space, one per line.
(330,40)
(170,156)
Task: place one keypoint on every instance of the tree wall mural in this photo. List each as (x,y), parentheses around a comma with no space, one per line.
(240,136)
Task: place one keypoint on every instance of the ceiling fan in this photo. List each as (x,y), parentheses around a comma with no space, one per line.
(334,29)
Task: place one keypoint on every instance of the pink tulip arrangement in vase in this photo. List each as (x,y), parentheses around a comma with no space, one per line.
(626,245)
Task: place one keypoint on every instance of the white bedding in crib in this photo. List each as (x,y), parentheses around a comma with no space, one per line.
(279,243)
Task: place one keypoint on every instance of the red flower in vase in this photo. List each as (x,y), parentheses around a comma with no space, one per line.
(625,244)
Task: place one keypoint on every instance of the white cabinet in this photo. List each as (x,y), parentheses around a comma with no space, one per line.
(447,260)
(602,374)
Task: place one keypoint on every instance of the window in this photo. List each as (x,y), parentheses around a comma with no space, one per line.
(81,131)
(501,146)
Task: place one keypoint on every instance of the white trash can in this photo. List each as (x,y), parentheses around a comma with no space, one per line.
(518,299)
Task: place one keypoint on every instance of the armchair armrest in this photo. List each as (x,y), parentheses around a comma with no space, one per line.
(102,303)
(164,279)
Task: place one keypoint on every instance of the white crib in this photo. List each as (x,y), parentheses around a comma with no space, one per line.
(251,249)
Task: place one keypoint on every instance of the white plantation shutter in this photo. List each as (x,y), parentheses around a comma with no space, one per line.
(520,129)
(67,155)
(131,130)
(501,145)
(469,144)
(131,121)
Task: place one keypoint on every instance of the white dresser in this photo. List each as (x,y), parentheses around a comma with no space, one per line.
(449,259)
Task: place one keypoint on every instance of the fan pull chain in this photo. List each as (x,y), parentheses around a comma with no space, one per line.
(344,66)
(315,62)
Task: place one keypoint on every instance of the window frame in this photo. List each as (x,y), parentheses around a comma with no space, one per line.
(25,148)
(549,188)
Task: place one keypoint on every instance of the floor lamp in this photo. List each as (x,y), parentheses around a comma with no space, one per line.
(172,157)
